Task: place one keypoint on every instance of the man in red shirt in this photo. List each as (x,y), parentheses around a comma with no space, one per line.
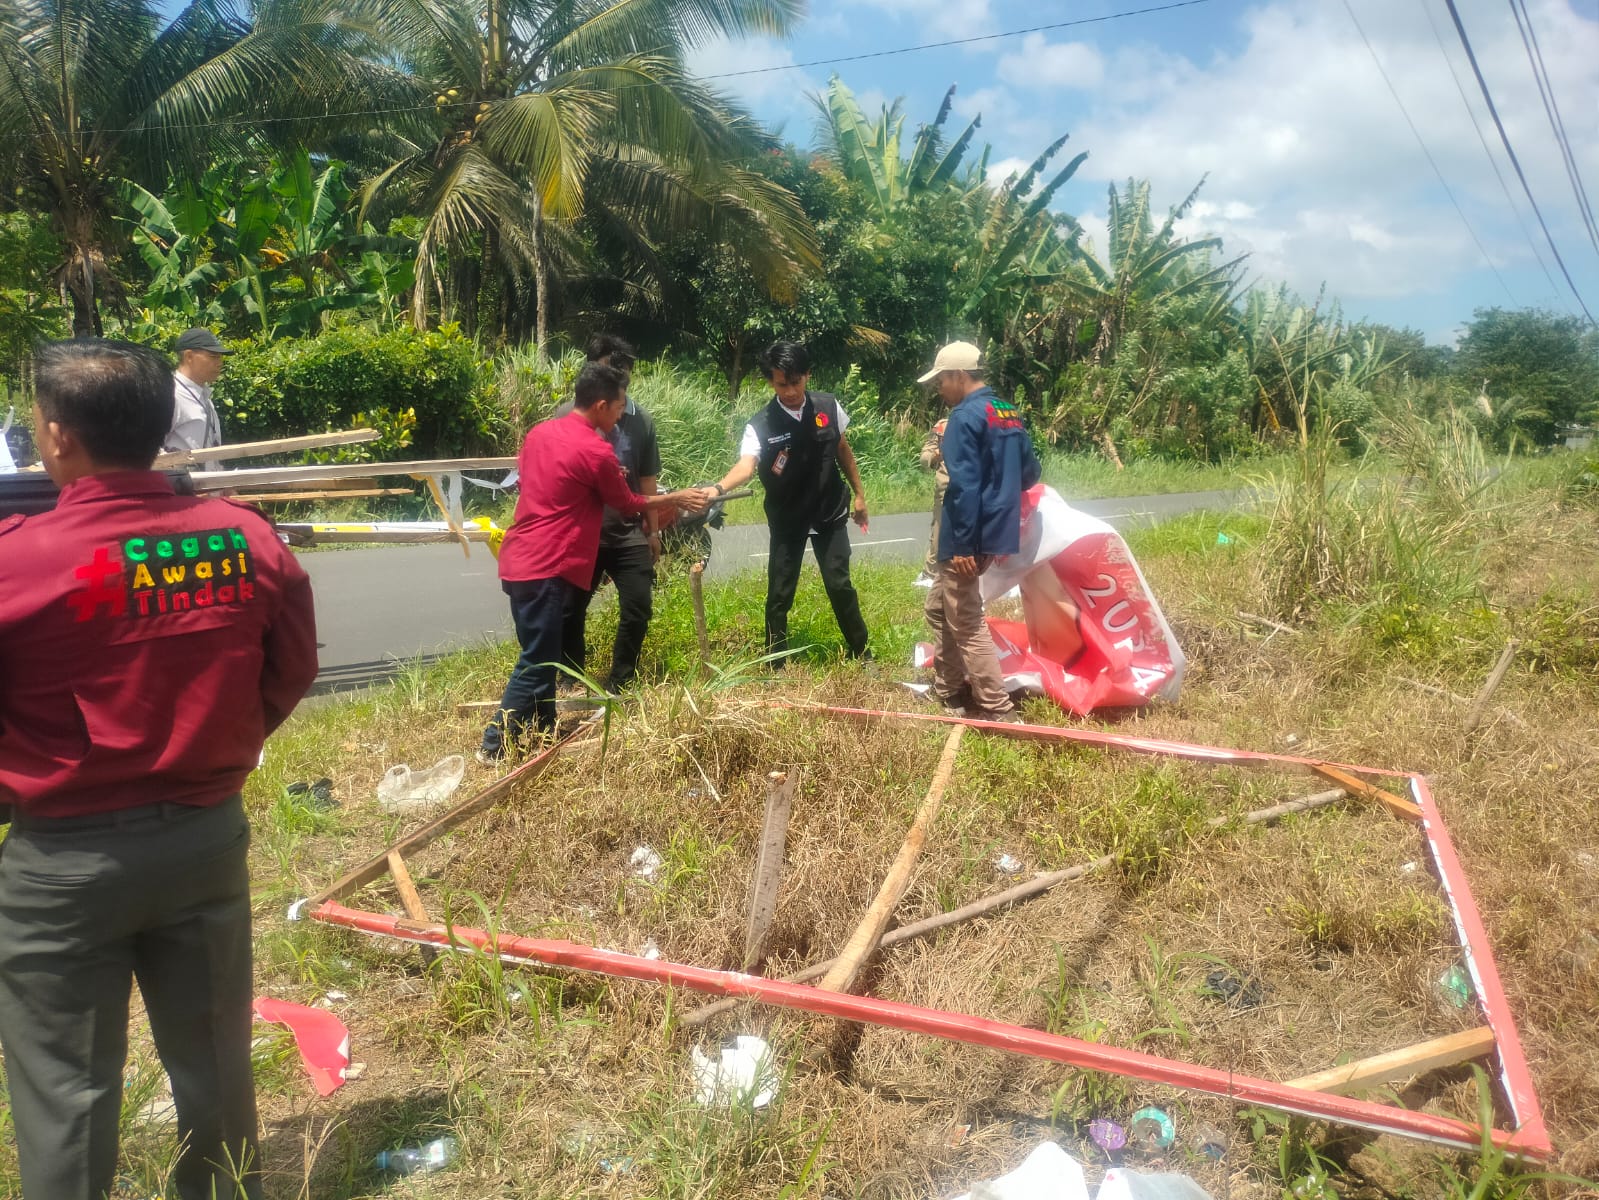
(149,643)
(568,476)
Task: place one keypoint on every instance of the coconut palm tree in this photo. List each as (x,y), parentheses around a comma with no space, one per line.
(552,111)
(94,92)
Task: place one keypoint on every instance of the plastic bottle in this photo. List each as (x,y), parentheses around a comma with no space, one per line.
(419,1160)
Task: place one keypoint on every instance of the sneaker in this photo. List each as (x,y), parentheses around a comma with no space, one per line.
(489,758)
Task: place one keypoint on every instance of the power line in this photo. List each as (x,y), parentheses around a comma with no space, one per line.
(968,41)
(1493,111)
(1493,162)
(1432,162)
(255,122)
(1551,108)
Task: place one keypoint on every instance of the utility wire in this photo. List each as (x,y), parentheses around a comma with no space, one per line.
(256,122)
(1493,162)
(1493,111)
(1551,108)
(969,41)
(1432,162)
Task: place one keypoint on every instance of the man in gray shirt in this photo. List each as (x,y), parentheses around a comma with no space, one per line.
(629,547)
(194,418)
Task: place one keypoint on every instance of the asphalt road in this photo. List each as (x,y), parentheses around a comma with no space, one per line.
(380,605)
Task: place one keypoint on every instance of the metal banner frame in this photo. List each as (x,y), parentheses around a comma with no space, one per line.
(1528,1139)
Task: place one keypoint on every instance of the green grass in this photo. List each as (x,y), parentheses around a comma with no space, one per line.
(560,1084)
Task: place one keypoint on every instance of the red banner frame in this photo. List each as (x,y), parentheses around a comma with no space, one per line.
(1528,1140)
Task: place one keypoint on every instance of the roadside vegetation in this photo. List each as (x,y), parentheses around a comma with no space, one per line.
(559,1084)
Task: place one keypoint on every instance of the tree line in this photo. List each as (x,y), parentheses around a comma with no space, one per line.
(524,171)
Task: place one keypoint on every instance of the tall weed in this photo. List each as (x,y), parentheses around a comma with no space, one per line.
(1377,543)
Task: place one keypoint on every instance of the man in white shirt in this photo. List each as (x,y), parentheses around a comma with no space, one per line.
(797,446)
(194,418)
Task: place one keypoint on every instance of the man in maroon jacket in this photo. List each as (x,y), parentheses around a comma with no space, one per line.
(568,475)
(149,643)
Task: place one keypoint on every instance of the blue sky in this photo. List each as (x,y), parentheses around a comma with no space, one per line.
(1311,167)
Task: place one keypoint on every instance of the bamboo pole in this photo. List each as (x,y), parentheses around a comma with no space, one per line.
(1029,890)
(863,942)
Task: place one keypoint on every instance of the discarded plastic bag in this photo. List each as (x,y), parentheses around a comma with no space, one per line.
(1048,1173)
(402,790)
(1093,636)
(323,1039)
(744,1071)
(1122,1184)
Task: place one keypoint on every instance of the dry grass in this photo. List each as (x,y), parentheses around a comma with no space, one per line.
(565,1085)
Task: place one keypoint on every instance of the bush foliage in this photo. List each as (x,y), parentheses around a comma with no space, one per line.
(302,385)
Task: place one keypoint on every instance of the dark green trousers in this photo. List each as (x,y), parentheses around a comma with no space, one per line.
(160,894)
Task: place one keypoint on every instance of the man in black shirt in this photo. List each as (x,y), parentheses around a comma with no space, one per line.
(629,546)
(797,445)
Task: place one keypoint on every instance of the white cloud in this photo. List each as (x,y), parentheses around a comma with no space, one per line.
(1310,163)
(767,86)
(940,18)
(1040,65)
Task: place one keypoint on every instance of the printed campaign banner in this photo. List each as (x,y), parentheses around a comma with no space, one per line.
(1093,636)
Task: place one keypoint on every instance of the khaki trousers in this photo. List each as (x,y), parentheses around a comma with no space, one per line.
(965,664)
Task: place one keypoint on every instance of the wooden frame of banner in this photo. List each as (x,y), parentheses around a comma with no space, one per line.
(1313,1096)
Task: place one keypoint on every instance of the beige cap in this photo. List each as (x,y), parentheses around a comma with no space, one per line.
(957,356)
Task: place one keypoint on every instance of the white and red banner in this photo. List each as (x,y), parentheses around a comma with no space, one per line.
(1093,635)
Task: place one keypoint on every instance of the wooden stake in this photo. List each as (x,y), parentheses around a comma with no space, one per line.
(1433,690)
(780,787)
(1253,619)
(410,899)
(863,942)
(341,494)
(696,587)
(327,485)
(309,441)
(210,481)
(1495,678)
(1356,786)
(1028,890)
(1400,1064)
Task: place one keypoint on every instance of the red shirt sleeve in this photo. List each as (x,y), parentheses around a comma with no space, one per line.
(290,665)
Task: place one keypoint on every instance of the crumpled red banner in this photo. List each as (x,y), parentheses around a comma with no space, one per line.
(1093,635)
(323,1039)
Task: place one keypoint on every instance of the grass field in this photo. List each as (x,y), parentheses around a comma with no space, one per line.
(564,1085)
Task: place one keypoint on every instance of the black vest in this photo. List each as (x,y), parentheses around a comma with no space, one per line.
(798,464)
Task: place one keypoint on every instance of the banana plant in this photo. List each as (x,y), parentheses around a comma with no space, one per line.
(868,154)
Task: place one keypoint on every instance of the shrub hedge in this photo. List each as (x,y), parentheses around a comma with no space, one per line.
(308,385)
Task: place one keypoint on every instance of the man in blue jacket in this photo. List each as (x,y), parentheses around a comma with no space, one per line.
(990,461)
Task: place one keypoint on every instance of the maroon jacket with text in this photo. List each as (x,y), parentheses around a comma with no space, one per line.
(149,642)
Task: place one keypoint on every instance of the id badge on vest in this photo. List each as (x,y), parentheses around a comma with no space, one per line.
(780,461)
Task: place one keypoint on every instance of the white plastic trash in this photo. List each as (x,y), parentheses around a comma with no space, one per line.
(1122,1184)
(744,1073)
(1048,1173)
(644,862)
(404,791)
